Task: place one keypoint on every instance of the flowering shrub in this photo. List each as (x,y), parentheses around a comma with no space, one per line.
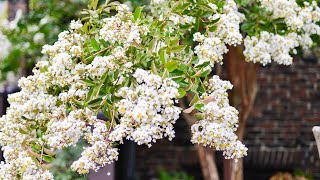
(135,67)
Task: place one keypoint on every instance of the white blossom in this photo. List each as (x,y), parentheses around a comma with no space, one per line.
(220,121)
(148,111)
(270,47)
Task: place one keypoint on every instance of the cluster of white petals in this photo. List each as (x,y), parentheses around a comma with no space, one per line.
(43,114)
(302,21)
(24,165)
(270,47)
(219,121)
(228,25)
(53,111)
(97,155)
(211,49)
(115,30)
(227,32)
(295,16)
(147,110)
(5,46)
(101,64)
(185,19)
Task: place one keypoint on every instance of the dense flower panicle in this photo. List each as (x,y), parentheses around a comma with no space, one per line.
(270,47)
(127,33)
(219,121)
(21,164)
(148,111)
(39,116)
(211,50)
(100,65)
(5,46)
(228,25)
(296,17)
(302,21)
(97,155)
(212,46)
(219,137)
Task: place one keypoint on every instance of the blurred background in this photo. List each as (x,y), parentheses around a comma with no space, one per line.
(278,133)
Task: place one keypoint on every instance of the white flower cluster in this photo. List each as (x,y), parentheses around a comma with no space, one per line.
(97,155)
(147,110)
(23,166)
(211,48)
(302,21)
(228,25)
(5,46)
(101,64)
(39,113)
(219,123)
(115,30)
(295,16)
(183,20)
(270,47)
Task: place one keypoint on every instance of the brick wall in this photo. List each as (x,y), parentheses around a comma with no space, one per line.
(286,109)
(279,132)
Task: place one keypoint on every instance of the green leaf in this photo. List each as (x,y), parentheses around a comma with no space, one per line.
(205,73)
(205,64)
(186,26)
(172,65)
(194,88)
(212,28)
(245,26)
(95,45)
(108,124)
(180,8)
(162,56)
(184,7)
(194,99)
(94,4)
(96,101)
(197,24)
(215,21)
(205,7)
(103,42)
(137,13)
(76,102)
(182,83)
(88,82)
(96,91)
(39,133)
(47,158)
(245,2)
(199,106)
(183,67)
(85,27)
(22,131)
(182,92)
(36,148)
(178,48)
(153,68)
